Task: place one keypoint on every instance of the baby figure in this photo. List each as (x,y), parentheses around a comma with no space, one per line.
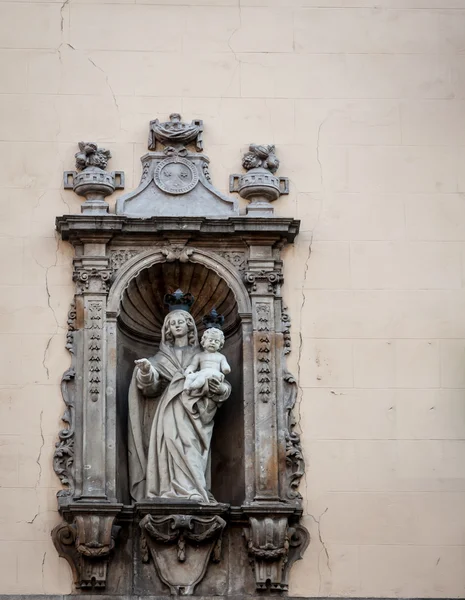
(210,362)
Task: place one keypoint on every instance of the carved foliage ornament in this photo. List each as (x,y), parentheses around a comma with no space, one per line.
(295,464)
(121,256)
(236,258)
(92,180)
(94,325)
(264,350)
(63,457)
(86,545)
(273,546)
(261,156)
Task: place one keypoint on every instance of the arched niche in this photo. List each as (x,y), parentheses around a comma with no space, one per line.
(136,309)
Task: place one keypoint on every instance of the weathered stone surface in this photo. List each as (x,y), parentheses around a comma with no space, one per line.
(181,546)
(144,435)
(259,184)
(175,181)
(93,181)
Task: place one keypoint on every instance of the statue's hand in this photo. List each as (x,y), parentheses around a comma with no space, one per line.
(144,365)
(215,386)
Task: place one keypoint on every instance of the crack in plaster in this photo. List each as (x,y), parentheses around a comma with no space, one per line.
(43,564)
(323,546)
(39,456)
(62,22)
(299,353)
(236,58)
(108,85)
(318,147)
(64,202)
(47,290)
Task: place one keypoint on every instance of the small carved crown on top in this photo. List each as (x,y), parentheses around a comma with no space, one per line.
(90,155)
(213,319)
(175,135)
(179,300)
(261,155)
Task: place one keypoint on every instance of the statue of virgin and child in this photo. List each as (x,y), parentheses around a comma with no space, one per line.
(173,399)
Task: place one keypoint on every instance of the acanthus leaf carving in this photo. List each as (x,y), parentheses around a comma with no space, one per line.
(295,464)
(120,256)
(63,456)
(273,545)
(236,258)
(267,541)
(86,544)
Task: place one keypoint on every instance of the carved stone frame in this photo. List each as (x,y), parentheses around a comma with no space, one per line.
(109,253)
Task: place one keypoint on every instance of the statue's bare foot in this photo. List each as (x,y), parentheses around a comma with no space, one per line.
(196,497)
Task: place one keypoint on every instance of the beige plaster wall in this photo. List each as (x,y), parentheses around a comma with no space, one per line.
(367,108)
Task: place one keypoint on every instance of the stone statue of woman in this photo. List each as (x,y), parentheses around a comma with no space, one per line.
(169,451)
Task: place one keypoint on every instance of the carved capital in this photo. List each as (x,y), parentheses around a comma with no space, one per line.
(181,547)
(263,282)
(86,544)
(92,279)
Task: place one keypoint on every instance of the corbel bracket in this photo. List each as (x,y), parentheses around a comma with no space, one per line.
(86,543)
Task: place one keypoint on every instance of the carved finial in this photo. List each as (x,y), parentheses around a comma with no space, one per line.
(259,184)
(261,156)
(174,134)
(213,319)
(90,155)
(178,300)
(92,181)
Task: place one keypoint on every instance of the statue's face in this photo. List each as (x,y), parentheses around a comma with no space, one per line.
(178,326)
(212,342)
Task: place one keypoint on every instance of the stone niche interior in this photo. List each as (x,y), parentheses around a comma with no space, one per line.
(139,323)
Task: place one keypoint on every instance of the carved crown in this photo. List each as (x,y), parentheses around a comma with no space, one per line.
(213,319)
(179,300)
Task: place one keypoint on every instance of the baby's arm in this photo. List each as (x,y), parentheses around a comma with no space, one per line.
(224,366)
(193,366)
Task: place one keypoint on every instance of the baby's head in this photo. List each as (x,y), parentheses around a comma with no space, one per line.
(212,339)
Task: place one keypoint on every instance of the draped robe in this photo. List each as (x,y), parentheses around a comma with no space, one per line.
(175,460)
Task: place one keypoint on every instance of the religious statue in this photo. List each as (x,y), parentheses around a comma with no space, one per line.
(171,421)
